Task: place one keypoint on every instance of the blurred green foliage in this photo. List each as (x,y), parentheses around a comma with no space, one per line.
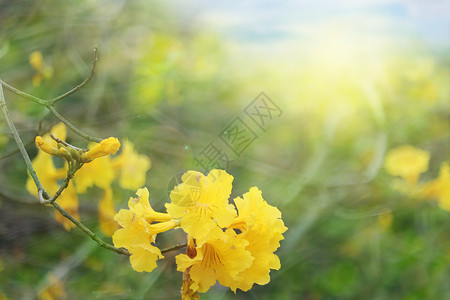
(171,87)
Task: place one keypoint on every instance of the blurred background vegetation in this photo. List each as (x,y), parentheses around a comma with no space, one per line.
(352,80)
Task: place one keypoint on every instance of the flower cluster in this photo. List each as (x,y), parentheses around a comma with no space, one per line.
(232,244)
(93,167)
(408,163)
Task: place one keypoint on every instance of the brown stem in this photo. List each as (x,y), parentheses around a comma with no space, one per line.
(173,248)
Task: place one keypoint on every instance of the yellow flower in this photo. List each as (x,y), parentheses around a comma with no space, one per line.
(46,146)
(53,290)
(131,167)
(59,131)
(440,187)
(257,216)
(149,214)
(106,213)
(98,172)
(43,164)
(42,70)
(138,234)
(186,291)
(47,173)
(216,260)
(241,256)
(69,201)
(407,162)
(36,60)
(105,147)
(202,203)
(260,224)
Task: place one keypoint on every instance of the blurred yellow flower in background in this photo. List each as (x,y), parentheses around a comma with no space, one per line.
(407,162)
(98,172)
(439,188)
(48,174)
(42,70)
(53,290)
(69,201)
(131,167)
(36,60)
(106,213)
(59,131)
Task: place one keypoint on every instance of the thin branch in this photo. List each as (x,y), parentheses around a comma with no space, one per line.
(173,248)
(88,232)
(41,199)
(73,128)
(65,144)
(78,87)
(17,150)
(59,192)
(49,103)
(43,195)
(25,95)
(20,145)
(65,184)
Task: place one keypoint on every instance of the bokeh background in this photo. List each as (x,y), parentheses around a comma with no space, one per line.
(353,80)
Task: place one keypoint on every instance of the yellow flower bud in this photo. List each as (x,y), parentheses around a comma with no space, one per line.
(75,154)
(63,152)
(105,147)
(46,147)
